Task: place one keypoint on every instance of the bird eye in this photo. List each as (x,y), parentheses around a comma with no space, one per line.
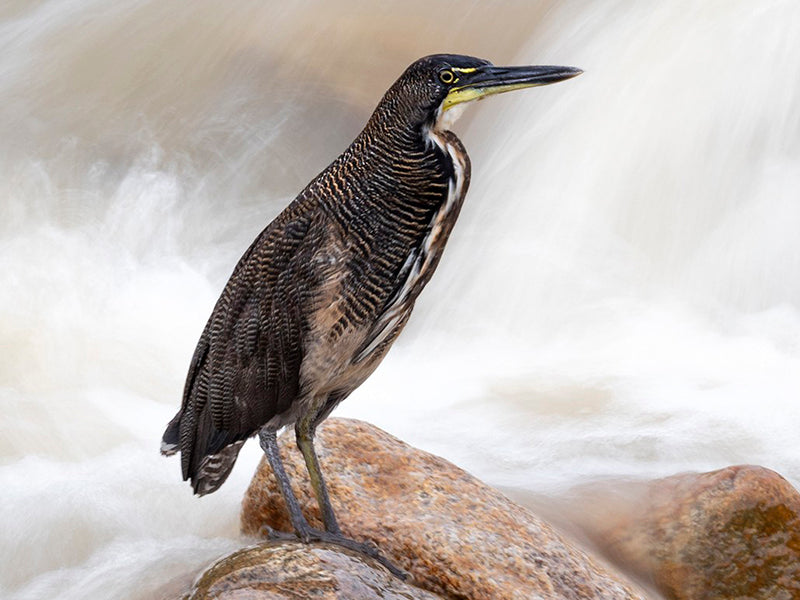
(446,77)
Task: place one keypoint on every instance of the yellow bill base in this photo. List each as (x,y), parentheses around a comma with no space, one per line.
(468,94)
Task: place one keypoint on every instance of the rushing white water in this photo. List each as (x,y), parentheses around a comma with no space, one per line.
(620,298)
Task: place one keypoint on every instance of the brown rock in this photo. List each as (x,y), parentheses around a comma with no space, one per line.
(732,533)
(295,571)
(452,533)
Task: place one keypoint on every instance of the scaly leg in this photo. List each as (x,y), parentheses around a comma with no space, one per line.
(305,441)
(269,444)
(304,432)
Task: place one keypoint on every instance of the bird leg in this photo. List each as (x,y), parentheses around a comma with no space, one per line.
(303,530)
(269,443)
(305,441)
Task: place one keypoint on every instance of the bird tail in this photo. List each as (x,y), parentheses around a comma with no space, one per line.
(213,469)
(170,442)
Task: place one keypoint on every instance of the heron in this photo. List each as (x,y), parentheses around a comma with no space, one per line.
(317,300)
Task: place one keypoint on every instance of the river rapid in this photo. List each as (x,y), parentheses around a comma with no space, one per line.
(620,298)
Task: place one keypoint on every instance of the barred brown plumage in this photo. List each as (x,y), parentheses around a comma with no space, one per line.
(316,301)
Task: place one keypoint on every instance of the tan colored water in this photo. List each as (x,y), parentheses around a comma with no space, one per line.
(620,298)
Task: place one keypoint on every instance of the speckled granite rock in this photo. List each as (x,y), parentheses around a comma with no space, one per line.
(732,533)
(456,536)
(295,571)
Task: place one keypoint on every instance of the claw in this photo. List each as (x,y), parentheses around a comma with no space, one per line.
(368,548)
(266,531)
(273,534)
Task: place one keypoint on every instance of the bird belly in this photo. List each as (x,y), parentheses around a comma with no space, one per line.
(328,370)
(331,366)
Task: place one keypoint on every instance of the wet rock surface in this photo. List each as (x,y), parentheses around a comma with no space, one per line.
(732,533)
(296,571)
(455,536)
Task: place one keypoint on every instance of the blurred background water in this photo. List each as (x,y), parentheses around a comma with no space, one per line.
(621,297)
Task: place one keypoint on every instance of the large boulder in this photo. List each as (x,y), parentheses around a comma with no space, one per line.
(296,571)
(732,533)
(454,535)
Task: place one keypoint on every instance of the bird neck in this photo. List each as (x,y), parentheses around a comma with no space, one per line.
(410,147)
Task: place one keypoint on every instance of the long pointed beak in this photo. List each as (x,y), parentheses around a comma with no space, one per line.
(474,84)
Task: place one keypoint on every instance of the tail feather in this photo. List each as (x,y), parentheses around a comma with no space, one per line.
(170,442)
(214,469)
(214,460)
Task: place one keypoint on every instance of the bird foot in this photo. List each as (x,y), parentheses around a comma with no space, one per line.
(273,534)
(366,548)
(315,535)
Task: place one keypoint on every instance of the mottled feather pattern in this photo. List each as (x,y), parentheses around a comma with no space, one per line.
(319,297)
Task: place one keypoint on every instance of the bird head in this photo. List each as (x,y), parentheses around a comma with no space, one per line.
(433,90)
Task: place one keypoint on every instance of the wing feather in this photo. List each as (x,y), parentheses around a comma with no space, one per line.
(246,366)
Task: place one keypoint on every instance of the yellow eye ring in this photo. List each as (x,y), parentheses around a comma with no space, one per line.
(447,77)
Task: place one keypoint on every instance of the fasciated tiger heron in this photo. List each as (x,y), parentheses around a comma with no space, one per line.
(317,300)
